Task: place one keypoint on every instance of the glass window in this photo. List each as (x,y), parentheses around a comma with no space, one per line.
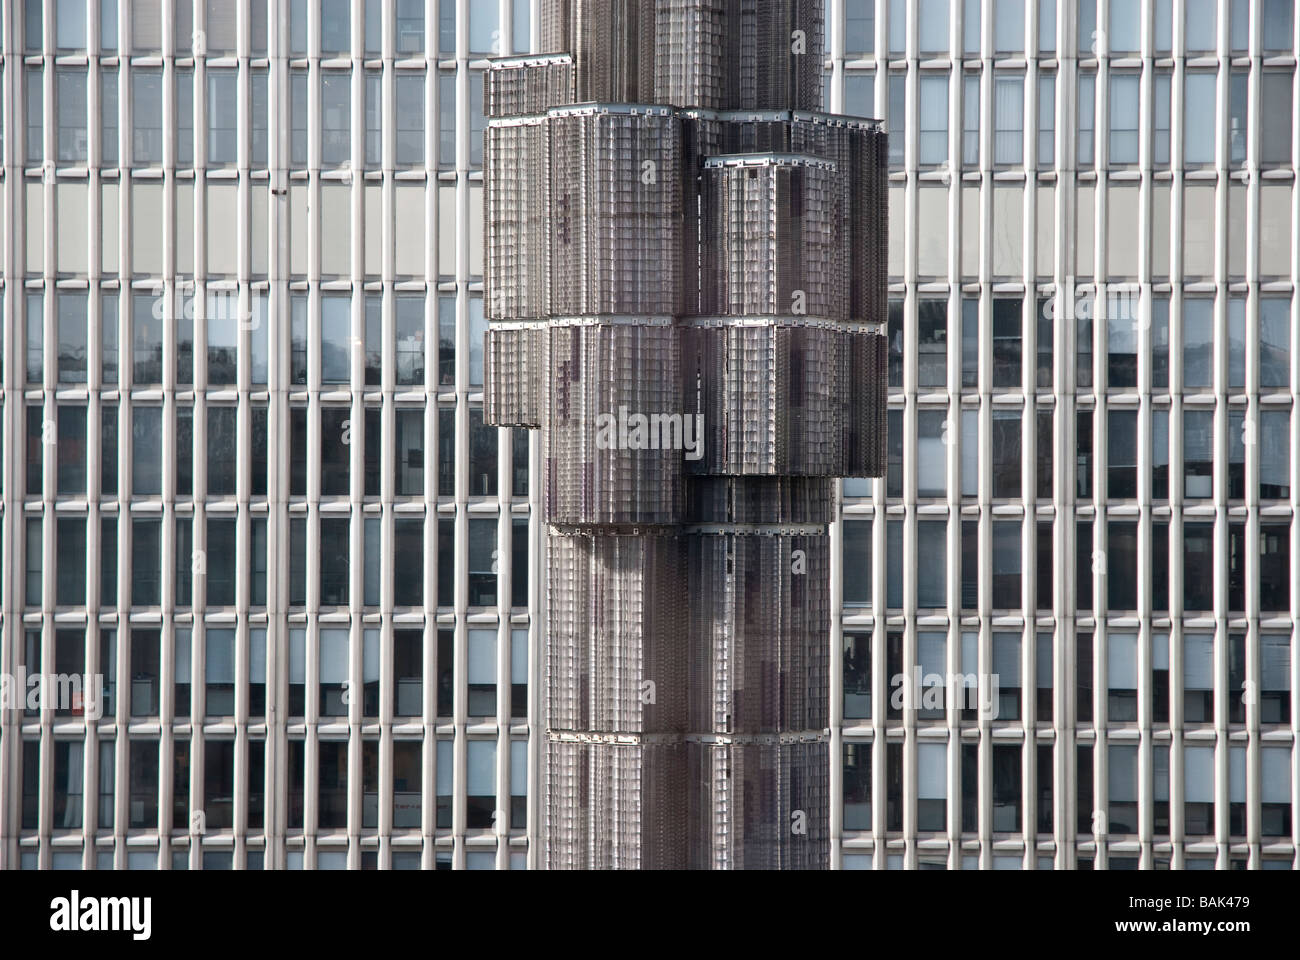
(1275,678)
(1009,26)
(35,117)
(859,93)
(223,450)
(1046,122)
(72,337)
(1124,117)
(1123,35)
(933,144)
(897,118)
(1047,27)
(334,555)
(482,562)
(1161,120)
(481,673)
(70,108)
(897,23)
(1198,343)
(482,456)
(409,320)
(374,119)
(1006,565)
(970,135)
(1277,115)
(1238,116)
(410,26)
(1009,121)
(223,337)
(70,24)
(336,118)
(185,116)
(1198,129)
(859,26)
(932,343)
(894,464)
(480,783)
(970,453)
(1198,454)
(410,118)
(520,21)
(146,114)
(258,81)
(146,454)
(335,26)
(298,118)
(146,562)
(1006,669)
(1276,31)
(1087,119)
(1160,343)
(1008,344)
(970,343)
(1007,429)
(856,552)
(1046,459)
(484,29)
(1274,455)
(932,787)
(108,118)
(1121,442)
(409,449)
(219,674)
(1006,789)
(1045,333)
(1121,570)
(223,116)
(298,338)
(932,26)
(333,673)
(70,575)
(932,567)
(970,34)
(446,339)
(336,327)
(477,333)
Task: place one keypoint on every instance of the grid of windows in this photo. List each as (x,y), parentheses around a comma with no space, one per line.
(1083,581)
(296,556)
(255,277)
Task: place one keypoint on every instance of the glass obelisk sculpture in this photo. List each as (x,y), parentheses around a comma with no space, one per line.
(686,291)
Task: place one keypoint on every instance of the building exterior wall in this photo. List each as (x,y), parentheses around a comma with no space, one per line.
(1203,222)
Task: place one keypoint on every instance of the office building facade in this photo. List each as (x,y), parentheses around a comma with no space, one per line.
(1089,503)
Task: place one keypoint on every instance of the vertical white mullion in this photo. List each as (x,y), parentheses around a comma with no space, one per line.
(1220,389)
(11,629)
(1293,444)
(1252,567)
(1064,789)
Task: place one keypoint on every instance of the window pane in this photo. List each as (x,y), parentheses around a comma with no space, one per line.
(1009,26)
(1198,139)
(934,119)
(146,112)
(336,118)
(70,109)
(1124,118)
(410,119)
(1198,343)
(223,116)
